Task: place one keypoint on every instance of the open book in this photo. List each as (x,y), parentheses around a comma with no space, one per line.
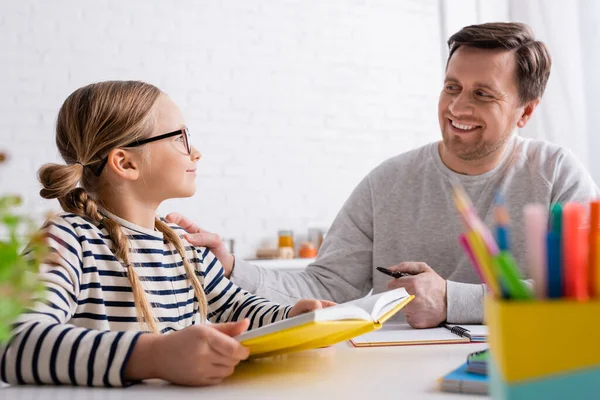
(401,334)
(326,326)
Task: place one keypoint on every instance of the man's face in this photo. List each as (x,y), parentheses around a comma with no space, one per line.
(479,106)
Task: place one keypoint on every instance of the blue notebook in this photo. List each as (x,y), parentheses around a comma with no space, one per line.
(462,381)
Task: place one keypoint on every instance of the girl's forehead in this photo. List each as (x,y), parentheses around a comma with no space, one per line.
(168,115)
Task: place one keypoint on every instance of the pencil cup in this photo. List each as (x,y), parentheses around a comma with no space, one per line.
(544,349)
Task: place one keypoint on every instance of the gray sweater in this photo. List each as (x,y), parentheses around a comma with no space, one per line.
(403,211)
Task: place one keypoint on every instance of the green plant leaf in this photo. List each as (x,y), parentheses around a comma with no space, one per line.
(19,286)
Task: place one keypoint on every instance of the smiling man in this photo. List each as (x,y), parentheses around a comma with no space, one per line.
(402,214)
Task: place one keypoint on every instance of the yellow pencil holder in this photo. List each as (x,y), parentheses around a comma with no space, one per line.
(544,349)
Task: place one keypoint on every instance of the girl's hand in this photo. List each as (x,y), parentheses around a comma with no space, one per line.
(308,305)
(195,356)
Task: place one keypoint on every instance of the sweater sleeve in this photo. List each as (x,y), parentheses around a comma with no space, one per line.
(44,348)
(228,302)
(343,270)
(571,181)
(465,302)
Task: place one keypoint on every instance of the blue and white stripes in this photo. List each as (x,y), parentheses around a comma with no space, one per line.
(86,329)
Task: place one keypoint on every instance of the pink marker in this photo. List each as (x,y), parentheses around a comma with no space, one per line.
(536,223)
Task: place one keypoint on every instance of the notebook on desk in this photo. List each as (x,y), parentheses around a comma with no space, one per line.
(401,334)
(462,381)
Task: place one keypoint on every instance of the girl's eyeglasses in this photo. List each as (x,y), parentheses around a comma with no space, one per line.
(183,132)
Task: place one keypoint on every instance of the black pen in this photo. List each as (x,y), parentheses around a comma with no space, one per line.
(391,273)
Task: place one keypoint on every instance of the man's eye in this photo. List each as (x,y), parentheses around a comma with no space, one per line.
(180,138)
(483,94)
(452,88)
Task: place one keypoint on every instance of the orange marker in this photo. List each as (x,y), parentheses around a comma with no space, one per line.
(594,257)
(597,274)
(575,272)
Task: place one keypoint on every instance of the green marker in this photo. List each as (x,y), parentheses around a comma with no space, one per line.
(510,277)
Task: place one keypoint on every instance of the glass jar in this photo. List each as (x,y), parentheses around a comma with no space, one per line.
(286,239)
(307,250)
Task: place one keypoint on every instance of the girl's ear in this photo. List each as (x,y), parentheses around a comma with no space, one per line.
(124,164)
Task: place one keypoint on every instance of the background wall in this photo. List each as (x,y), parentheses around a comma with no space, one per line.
(291,102)
(569,112)
(589,15)
(562,117)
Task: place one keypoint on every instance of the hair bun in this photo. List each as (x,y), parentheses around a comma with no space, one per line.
(58,180)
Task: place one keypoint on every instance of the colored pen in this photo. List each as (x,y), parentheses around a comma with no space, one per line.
(471,219)
(593,256)
(485,263)
(464,242)
(554,251)
(510,277)
(575,268)
(502,220)
(536,220)
(597,267)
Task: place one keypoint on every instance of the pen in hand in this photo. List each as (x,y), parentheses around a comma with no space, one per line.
(393,274)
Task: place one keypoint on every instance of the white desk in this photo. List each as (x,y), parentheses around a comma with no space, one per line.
(338,372)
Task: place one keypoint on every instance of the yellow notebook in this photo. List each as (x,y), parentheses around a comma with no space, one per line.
(326,326)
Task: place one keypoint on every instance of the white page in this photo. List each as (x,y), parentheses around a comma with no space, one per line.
(357,309)
(340,312)
(403,333)
(378,304)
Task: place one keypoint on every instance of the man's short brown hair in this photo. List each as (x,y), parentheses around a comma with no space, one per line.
(532,56)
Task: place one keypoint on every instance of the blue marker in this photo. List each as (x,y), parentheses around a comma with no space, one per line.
(502,221)
(502,237)
(554,253)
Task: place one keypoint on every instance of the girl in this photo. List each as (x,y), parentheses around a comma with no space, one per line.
(119,278)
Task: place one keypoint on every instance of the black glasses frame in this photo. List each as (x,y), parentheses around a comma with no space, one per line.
(182,131)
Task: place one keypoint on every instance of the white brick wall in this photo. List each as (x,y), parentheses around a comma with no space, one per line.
(291,102)
(590,35)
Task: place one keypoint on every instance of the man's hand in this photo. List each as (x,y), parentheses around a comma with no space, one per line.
(429,307)
(308,305)
(199,237)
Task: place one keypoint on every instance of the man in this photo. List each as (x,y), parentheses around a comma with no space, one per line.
(402,213)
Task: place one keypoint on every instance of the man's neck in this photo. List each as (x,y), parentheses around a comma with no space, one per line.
(138,212)
(471,167)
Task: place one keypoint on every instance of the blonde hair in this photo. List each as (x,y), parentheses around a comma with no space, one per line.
(92,121)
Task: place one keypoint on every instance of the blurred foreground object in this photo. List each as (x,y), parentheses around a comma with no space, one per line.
(18,268)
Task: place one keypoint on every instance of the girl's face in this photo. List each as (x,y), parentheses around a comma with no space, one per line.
(169,171)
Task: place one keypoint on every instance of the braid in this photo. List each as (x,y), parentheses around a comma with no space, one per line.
(92,121)
(79,202)
(174,239)
(143,307)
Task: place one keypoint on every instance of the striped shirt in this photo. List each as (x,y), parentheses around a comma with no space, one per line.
(85,330)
